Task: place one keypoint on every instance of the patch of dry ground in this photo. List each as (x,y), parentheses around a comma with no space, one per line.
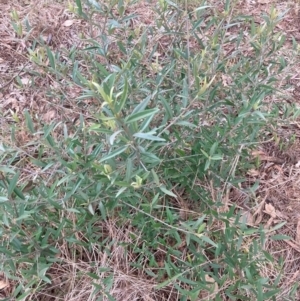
(278,170)
(25,85)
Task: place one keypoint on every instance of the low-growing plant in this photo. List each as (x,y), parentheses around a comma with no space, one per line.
(132,173)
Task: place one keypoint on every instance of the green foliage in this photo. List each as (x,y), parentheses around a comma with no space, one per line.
(164,120)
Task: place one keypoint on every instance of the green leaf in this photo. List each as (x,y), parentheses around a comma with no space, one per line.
(79,6)
(129,168)
(207,164)
(79,10)
(6,169)
(201,228)
(167,268)
(216,157)
(185,123)
(29,122)
(91,209)
(168,281)
(166,191)
(3,199)
(213,148)
(269,294)
(151,157)
(107,98)
(73,210)
(144,125)
(102,209)
(205,153)
(51,58)
(121,104)
(155,177)
(172,3)
(25,216)
(140,115)
(113,136)
(120,191)
(278,226)
(155,200)
(95,4)
(24,295)
(140,107)
(148,137)
(13,184)
(92,275)
(207,239)
(202,7)
(19,193)
(114,153)
(250,231)
(280,237)
(167,108)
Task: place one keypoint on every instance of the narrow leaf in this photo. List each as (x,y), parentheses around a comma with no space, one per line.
(186,123)
(13,183)
(114,153)
(113,137)
(140,115)
(166,191)
(148,137)
(129,167)
(3,199)
(51,58)
(91,209)
(121,191)
(208,240)
(278,226)
(280,237)
(123,99)
(79,10)
(155,177)
(142,105)
(168,281)
(29,122)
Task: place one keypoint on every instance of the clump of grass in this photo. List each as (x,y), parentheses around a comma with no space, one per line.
(130,203)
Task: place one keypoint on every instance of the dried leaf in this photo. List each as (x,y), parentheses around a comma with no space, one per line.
(25,80)
(253,173)
(3,284)
(247,218)
(264,157)
(205,294)
(258,153)
(269,223)
(213,283)
(258,213)
(269,209)
(49,116)
(68,23)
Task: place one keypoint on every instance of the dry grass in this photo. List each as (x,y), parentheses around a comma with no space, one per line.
(278,170)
